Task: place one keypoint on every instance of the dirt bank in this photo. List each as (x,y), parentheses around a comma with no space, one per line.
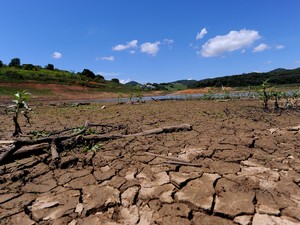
(244,167)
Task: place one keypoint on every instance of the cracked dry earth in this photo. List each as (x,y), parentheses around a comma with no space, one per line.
(245,168)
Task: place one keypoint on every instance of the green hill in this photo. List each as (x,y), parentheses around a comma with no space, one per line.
(15,72)
(133,83)
(275,77)
(28,73)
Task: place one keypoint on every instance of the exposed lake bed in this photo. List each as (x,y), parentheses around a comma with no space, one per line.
(237,165)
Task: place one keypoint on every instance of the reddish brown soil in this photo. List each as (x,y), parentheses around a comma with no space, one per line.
(61,92)
(199,91)
(248,167)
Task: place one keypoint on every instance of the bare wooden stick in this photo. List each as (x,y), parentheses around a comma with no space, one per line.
(54,152)
(28,149)
(182,163)
(6,142)
(169,129)
(167,157)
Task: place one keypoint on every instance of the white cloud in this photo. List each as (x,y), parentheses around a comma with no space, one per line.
(56,55)
(150,48)
(107,58)
(280,47)
(230,42)
(132,44)
(269,62)
(260,48)
(168,42)
(108,74)
(124,81)
(201,34)
(120,47)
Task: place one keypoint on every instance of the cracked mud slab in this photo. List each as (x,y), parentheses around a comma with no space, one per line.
(234,182)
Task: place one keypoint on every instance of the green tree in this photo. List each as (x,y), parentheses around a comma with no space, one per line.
(49,67)
(1,64)
(115,80)
(28,66)
(15,62)
(87,73)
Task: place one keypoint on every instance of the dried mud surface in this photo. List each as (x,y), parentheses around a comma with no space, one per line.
(248,168)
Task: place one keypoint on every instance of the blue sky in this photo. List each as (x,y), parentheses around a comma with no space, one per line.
(153,41)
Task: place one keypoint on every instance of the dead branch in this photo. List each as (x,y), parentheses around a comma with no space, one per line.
(54,152)
(169,129)
(6,142)
(20,143)
(28,149)
(78,136)
(182,163)
(167,157)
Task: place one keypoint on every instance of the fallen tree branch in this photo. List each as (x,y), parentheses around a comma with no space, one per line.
(30,149)
(20,143)
(55,141)
(169,129)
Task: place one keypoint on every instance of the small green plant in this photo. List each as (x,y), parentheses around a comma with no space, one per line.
(131,96)
(295,96)
(39,133)
(208,96)
(77,129)
(264,94)
(94,148)
(277,95)
(91,131)
(226,94)
(91,107)
(140,96)
(20,107)
(120,97)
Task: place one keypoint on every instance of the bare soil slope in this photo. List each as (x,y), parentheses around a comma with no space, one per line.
(61,91)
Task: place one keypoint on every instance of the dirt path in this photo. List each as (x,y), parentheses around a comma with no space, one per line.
(248,173)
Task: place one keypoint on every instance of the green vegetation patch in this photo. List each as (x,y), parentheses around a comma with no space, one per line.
(10,91)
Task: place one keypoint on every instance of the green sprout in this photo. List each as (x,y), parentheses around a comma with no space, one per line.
(94,148)
(264,94)
(20,107)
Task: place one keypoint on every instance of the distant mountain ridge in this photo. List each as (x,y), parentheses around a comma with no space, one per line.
(22,73)
(132,83)
(278,76)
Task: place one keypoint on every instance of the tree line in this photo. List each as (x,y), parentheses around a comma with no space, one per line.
(21,69)
(274,77)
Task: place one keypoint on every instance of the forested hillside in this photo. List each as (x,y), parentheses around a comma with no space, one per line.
(15,72)
(275,77)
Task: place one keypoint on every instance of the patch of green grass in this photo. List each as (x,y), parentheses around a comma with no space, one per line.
(94,148)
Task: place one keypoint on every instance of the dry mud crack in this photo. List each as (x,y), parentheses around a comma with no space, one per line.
(248,169)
